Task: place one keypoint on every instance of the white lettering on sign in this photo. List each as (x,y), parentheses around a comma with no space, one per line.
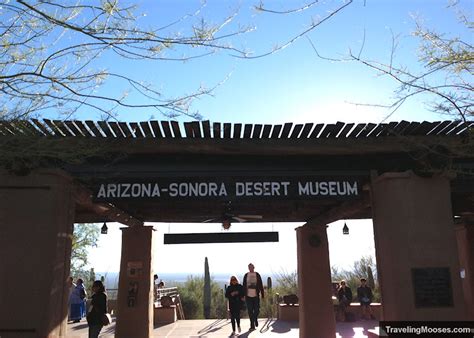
(220,189)
(331,188)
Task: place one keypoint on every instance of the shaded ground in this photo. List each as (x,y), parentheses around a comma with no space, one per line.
(220,328)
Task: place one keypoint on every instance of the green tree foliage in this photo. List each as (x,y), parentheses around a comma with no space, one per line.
(365,267)
(84,237)
(192,298)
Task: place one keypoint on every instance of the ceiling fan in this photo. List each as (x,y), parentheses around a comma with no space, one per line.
(228,217)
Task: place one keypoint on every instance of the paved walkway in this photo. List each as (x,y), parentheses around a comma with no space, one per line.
(220,328)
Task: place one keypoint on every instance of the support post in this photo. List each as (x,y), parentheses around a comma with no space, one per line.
(36,223)
(465,238)
(316,311)
(135,294)
(415,242)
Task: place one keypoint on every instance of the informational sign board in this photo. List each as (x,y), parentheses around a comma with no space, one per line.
(229,188)
(432,287)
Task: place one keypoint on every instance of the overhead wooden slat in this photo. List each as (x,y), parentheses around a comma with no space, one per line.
(165,125)
(206,129)
(257,131)
(237,131)
(6,128)
(71,125)
(176,130)
(459,128)
(408,130)
(188,130)
(227,130)
(337,128)
(316,130)
(146,129)
(286,130)
(326,130)
(439,127)
(399,128)
(357,129)
(343,133)
(367,129)
(195,126)
(52,126)
(41,126)
(266,131)
(83,128)
(216,130)
(61,126)
(125,129)
(306,130)
(247,130)
(450,127)
(135,128)
(295,133)
(276,131)
(155,126)
(105,128)
(116,128)
(93,128)
(389,129)
(21,129)
(423,128)
(374,132)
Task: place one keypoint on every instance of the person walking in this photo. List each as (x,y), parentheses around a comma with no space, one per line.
(98,310)
(235,294)
(253,288)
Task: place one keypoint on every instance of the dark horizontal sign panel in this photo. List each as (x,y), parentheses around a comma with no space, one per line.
(269,187)
(221,237)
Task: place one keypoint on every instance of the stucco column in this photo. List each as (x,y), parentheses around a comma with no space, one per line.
(316,311)
(465,237)
(36,222)
(415,242)
(135,293)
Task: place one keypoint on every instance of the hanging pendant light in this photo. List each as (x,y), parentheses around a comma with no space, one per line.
(104,229)
(345,229)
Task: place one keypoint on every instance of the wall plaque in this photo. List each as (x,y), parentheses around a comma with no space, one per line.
(432,287)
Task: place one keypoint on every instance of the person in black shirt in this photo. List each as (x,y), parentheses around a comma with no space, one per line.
(344,295)
(235,294)
(99,308)
(364,295)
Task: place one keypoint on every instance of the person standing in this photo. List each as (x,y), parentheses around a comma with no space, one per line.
(235,294)
(99,308)
(365,296)
(77,301)
(344,295)
(253,288)
(71,286)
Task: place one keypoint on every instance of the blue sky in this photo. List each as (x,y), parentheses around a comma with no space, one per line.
(292,85)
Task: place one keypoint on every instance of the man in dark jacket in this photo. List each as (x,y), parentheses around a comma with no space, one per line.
(253,287)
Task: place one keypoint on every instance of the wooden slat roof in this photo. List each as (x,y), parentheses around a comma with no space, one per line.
(218,130)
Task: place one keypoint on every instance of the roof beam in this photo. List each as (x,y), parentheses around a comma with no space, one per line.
(107,211)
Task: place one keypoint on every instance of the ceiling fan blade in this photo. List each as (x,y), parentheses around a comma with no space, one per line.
(239,219)
(251,216)
(212,220)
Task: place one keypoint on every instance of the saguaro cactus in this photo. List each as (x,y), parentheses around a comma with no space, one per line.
(370,277)
(269,283)
(207,290)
